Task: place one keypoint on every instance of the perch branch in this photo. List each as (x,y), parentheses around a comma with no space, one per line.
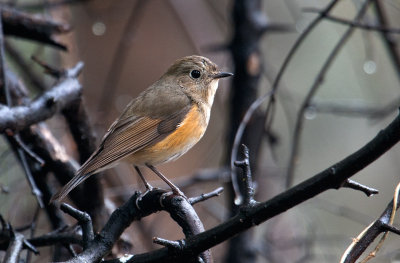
(84,221)
(136,208)
(330,178)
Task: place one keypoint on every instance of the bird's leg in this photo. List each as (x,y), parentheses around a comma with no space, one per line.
(146,184)
(174,188)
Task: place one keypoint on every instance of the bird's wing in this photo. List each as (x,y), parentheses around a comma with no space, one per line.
(125,136)
(131,135)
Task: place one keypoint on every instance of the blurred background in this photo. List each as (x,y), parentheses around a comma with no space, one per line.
(126,45)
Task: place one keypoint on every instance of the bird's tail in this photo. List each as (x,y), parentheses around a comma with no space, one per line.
(77,179)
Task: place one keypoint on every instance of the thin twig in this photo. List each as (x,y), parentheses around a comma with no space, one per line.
(56,238)
(84,221)
(35,190)
(28,151)
(369,191)
(353,23)
(168,243)
(49,69)
(32,229)
(270,95)
(389,41)
(288,59)
(26,68)
(315,86)
(249,190)
(203,197)
(355,109)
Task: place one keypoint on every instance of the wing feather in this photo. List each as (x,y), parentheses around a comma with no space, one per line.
(131,136)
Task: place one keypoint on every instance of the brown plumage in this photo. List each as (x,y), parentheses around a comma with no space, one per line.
(161,124)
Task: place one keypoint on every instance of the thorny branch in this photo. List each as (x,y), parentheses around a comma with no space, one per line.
(381,225)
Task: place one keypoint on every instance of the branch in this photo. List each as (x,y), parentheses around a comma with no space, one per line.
(330,178)
(353,23)
(32,27)
(271,94)
(14,248)
(313,89)
(168,243)
(355,109)
(26,68)
(84,221)
(50,239)
(368,235)
(64,168)
(137,207)
(183,213)
(18,93)
(250,23)
(203,197)
(368,191)
(57,238)
(49,5)
(389,41)
(13,242)
(249,190)
(62,95)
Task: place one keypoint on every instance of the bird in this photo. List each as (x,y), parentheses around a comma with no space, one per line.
(161,124)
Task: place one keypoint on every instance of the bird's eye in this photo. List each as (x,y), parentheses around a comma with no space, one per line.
(195,74)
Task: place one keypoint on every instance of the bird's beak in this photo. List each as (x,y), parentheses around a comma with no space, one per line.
(220,75)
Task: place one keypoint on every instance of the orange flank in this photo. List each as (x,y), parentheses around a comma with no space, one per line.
(189,132)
